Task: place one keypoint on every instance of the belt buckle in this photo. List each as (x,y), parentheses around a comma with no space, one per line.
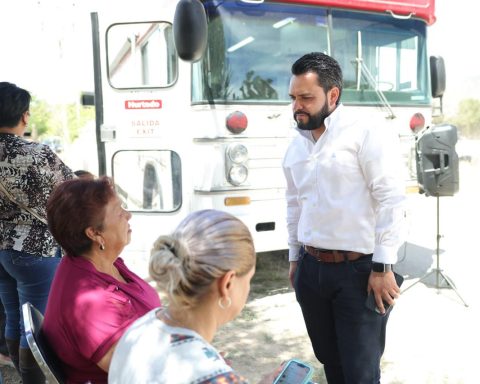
(312,251)
(339,256)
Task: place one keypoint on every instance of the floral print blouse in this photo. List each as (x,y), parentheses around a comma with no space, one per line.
(29,171)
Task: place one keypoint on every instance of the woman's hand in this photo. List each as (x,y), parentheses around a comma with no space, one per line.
(270,377)
(224,355)
(104,362)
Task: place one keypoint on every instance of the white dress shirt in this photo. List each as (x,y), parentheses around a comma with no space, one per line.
(345,191)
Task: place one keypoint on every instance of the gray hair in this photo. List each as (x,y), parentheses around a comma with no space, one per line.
(204,246)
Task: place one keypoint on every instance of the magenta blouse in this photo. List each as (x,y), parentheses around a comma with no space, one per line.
(88,311)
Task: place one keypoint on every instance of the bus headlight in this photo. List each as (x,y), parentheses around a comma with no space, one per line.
(237,153)
(237,174)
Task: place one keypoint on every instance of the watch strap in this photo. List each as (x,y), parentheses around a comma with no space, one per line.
(381,267)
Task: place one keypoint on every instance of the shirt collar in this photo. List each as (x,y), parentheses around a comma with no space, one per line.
(328,123)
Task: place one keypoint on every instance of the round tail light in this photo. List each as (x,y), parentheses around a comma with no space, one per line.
(417,122)
(236,122)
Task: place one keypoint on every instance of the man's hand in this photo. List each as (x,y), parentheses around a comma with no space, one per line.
(384,288)
(291,272)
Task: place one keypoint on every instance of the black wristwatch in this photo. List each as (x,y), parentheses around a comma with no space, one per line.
(380,267)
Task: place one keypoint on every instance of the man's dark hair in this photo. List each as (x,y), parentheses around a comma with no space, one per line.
(14,102)
(329,73)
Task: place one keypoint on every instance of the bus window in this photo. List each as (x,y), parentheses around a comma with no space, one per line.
(392,51)
(148,180)
(141,55)
(248,58)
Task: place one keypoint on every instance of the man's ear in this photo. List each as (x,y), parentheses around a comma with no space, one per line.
(225,283)
(333,96)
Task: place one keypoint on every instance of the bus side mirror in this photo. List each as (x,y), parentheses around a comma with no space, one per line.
(437,75)
(190,30)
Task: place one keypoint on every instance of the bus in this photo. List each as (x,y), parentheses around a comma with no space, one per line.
(209,129)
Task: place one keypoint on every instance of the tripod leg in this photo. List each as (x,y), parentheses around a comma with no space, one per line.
(450,283)
(438,272)
(419,280)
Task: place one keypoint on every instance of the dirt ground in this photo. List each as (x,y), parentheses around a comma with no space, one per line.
(9,375)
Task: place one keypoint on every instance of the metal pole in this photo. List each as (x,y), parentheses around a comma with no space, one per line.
(438,240)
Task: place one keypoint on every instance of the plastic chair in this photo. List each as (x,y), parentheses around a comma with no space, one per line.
(41,350)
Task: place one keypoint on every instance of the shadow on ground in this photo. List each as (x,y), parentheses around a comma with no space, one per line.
(271,275)
(414,261)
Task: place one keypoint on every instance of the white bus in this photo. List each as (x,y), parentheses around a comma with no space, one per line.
(179,136)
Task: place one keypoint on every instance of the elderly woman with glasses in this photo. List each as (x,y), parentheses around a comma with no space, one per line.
(94,296)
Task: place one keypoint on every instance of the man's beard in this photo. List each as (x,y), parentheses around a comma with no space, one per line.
(314,121)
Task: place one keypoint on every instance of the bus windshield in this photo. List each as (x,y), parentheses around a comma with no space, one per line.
(251,48)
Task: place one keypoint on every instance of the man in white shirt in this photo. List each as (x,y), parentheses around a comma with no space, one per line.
(344,215)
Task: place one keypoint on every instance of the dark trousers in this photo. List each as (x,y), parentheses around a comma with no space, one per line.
(3,343)
(347,338)
(23,277)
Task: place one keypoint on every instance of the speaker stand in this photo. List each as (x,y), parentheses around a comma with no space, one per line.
(437,271)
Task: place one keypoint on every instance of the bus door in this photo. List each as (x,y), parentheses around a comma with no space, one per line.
(138,100)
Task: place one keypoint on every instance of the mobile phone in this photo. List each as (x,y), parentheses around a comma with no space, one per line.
(294,372)
(371,304)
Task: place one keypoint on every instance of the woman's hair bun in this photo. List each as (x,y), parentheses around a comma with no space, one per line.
(203,247)
(164,258)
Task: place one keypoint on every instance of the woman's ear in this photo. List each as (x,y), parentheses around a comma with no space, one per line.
(225,283)
(93,235)
(26,118)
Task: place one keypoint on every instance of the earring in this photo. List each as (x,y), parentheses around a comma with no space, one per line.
(223,306)
(102,247)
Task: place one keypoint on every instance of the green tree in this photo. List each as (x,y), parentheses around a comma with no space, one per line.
(40,117)
(467,118)
(69,119)
(78,117)
(63,120)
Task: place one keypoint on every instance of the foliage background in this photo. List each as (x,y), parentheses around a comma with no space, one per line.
(466,118)
(61,120)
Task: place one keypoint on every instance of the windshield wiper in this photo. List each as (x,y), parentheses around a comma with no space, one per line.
(363,70)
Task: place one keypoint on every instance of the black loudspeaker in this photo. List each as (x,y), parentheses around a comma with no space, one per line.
(437,161)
